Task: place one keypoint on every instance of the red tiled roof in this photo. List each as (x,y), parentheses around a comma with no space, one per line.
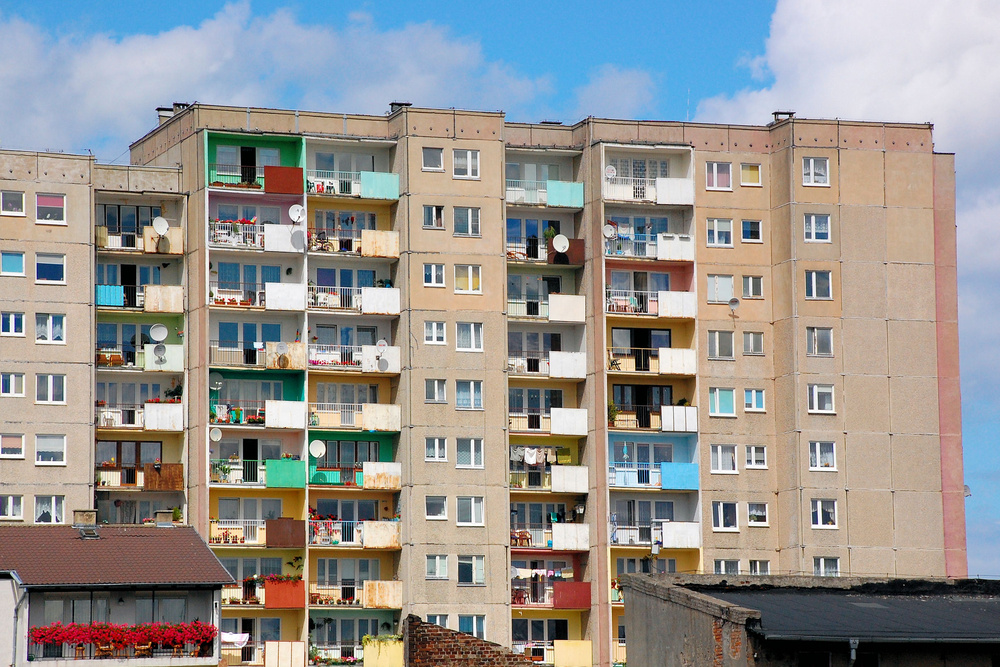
(124,555)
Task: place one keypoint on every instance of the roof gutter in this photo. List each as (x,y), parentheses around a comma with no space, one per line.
(881,640)
(17,585)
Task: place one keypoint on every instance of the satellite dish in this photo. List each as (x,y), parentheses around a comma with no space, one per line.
(610,171)
(140,339)
(383,365)
(610,231)
(281,348)
(317,448)
(158,332)
(215,381)
(159,350)
(298,239)
(297,212)
(734,303)
(215,434)
(283,361)
(381,345)
(560,243)
(160,225)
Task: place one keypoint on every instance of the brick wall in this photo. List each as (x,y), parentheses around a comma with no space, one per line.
(429,645)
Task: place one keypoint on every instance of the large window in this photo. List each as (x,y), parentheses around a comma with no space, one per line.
(720,288)
(50,209)
(816,171)
(720,345)
(821,398)
(437,566)
(724,566)
(721,402)
(466,221)
(433,159)
(823,456)
(50,450)
(11,203)
(50,268)
(469,395)
(472,570)
(11,508)
(470,511)
(724,516)
(50,509)
(818,285)
(720,233)
(760,567)
(11,384)
(50,388)
(467,279)
(724,459)
(11,263)
(819,341)
(817,228)
(466,163)
(469,453)
(11,324)
(824,513)
(472,625)
(50,328)
(12,446)
(469,336)
(718,176)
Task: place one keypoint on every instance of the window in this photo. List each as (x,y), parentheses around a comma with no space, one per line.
(720,233)
(817,228)
(760,567)
(821,398)
(753,342)
(818,285)
(727,566)
(437,567)
(756,456)
(11,508)
(724,516)
(12,446)
(466,221)
(436,507)
(815,171)
(50,450)
(49,509)
(721,402)
(433,159)
(469,394)
(472,625)
(819,342)
(50,268)
(435,449)
(752,232)
(753,287)
(822,456)
(470,510)
(438,619)
(753,400)
(756,514)
(824,513)
(11,263)
(50,209)
(433,217)
(824,566)
(469,336)
(750,174)
(466,163)
(472,570)
(50,328)
(720,288)
(724,459)
(434,391)
(469,453)
(720,345)
(433,275)
(434,333)
(467,279)
(11,384)
(11,203)
(718,176)
(50,388)
(11,324)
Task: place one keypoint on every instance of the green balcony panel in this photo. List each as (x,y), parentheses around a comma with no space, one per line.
(564,193)
(378,185)
(285,474)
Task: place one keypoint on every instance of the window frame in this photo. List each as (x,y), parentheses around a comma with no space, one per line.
(821,566)
(712,233)
(811,285)
(474,273)
(49,326)
(752,337)
(760,176)
(478,625)
(712,176)
(719,515)
(474,326)
(12,213)
(721,565)
(817,508)
(751,521)
(472,501)
(437,271)
(756,564)
(440,390)
(754,395)
(751,459)
(720,453)
(809,173)
(440,565)
(472,559)
(49,392)
(19,436)
(8,322)
(809,228)
(475,446)
(12,383)
(40,281)
(423,159)
(440,448)
(712,291)
(743,231)
(20,253)
(749,282)
(57,463)
(434,328)
(436,619)
(50,221)
(437,217)
(61,502)
(812,403)
(816,451)
(472,395)
(716,391)
(473,222)
(714,338)
(444,508)
(813,340)
(472,160)
(7,501)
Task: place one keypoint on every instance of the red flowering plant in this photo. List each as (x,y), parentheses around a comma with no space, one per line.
(120,636)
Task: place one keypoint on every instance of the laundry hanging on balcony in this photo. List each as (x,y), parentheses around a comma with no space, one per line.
(237,639)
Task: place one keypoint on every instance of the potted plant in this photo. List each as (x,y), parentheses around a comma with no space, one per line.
(613,412)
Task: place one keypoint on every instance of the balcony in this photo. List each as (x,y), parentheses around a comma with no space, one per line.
(341,653)
(666,475)
(237,294)
(361,534)
(664,191)
(364,300)
(667,534)
(549,592)
(257,354)
(140,239)
(663,247)
(252,653)
(569,308)
(267,414)
(618,653)
(370,594)
(140,477)
(363,184)
(237,532)
(368,475)
(355,416)
(555,536)
(667,418)
(274,179)
(148,298)
(658,304)
(269,473)
(147,653)
(156,416)
(555,478)
(563,194)
(357,358)
(662,361)
(555,421)
(245,235)
(354,242)
(555,364)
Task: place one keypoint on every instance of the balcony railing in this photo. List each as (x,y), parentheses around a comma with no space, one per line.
(541,652)
(234,353)
(528,362)
(330,532)
(630,301)
(92,651)
(531,535)
(518,307)
(237,531)
(122,239)
(111,355)
(237,471)
(119,476)
(335,298)
(529,419)
(632,474)
(636,360)
(240,411)
(227,293)
(330,593)
(632,245)
(236,175)
(246,593)
(342,183)
(529,477)
(119,415)
(526,192)
(618,651)
(342,474)
(666,534)
(637,417)
(250,654)
(533,592)
(334,240)
(341,652)
(626,188)
(119,296)
(328,415)
(521,248)
(233,234)
(347,357)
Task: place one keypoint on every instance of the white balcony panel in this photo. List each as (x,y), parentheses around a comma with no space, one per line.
(570,536)
(570,479)
(285,296)
(385,475)
(676,191)
(380,300)
(675,248)
(285,414)
(373,362)
(163,299)
(677,304)
(679,418)
(677,361)
(164,417)
(171,361)
(381,535)
(567,308)
(284,238)
(568,365)
(379,243)
(681,535)
(381,417)
(568,421)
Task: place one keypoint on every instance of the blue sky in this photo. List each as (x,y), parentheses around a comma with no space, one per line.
(81,75)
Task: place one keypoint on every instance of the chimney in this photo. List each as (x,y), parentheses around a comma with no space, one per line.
(396,106)
(164,518)
(82,518)
(163,114)
(782,115)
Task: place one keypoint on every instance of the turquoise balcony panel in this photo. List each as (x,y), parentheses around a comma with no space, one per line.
(679,476)
(285,474)
(345,476)
(564,193)
(109,295)
(378,185)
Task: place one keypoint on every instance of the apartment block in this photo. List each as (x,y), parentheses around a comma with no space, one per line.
(435,362)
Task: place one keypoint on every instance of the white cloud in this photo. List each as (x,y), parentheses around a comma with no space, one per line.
(612,92)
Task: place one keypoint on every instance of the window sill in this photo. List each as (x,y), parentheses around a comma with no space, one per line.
(12,214)
(439,343)
(465,584)
(50,282)
(819,298)
(725,530)
(13,275)
(426,460)
(470,525)
(436,518)
(753,354)
(464,409)
(708,189)
(433,228)
(467,236)
(755,297)
(434,285)
(723,416)
(435,402)
(462,350)
(757,410)
(458,467)
(11,518)
(11,457)
(436,578)
(757,241)
(50,342)
(724,472)
(821,412)
(50,402)
(50,464)
(824,527)
(820,356)
(468,292)
(819,241)
(755,467)
(758,525)
(439,170)
(57,223)
(751,185)
(718,245)
(815,185)
(466,178)
(822,470)
(722,358)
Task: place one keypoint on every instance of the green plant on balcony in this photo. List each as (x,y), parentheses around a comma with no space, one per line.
(549,233)
(613,412)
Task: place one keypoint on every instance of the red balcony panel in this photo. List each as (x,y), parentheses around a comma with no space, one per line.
(283,180)
(571,595)
(284,594)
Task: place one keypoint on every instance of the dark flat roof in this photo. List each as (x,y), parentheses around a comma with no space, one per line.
(123,555)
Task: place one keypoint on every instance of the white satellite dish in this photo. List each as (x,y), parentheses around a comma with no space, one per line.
(215,434)
(281,348)
(160,225)
(158,351)
(158,332)
(381,345)
(734,303)
(297,212)
(560,243)
(609,231)
(215,381)
(317,448)
(610,171)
